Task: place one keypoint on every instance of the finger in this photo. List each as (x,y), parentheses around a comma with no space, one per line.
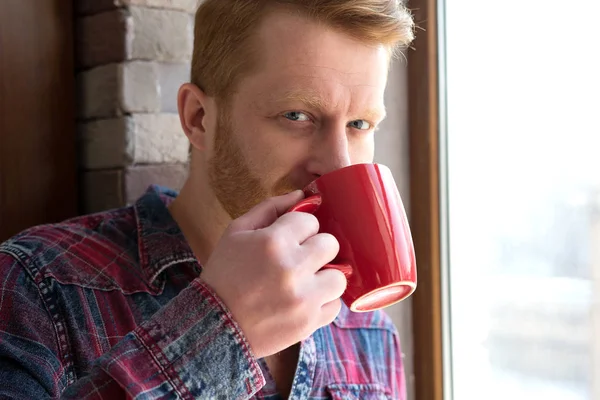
(321,249)
(267,212)
(329,312)
(299,225)
(329,285)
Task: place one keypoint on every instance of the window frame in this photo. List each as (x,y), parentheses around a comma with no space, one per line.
(427,203)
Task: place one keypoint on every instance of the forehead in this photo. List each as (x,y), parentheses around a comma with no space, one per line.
(300,58)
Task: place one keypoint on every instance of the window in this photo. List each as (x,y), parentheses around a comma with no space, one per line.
(523,178)
(512,180)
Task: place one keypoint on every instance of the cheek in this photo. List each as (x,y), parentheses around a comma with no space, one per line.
(271,153)
(362,149)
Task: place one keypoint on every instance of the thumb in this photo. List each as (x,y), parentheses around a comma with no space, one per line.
(267,212)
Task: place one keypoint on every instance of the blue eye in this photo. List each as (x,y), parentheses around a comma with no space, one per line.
(360,124)
(296,116)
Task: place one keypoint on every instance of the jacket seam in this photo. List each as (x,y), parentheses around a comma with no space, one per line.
(165,368)
(49,299)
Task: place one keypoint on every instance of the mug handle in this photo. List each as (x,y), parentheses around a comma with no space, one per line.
(310,205)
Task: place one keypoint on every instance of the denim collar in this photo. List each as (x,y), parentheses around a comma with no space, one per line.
(161,244)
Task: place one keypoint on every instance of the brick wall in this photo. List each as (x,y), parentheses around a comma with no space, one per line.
(132,56)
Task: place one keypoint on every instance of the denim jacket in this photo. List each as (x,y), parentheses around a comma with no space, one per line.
(109,306)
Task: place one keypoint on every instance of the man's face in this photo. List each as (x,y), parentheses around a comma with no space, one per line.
(310,108)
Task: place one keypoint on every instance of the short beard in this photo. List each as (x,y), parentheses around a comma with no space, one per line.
(230,176)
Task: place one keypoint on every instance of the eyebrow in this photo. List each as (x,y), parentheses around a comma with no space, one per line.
(308,97)
(376,114)
(313,100)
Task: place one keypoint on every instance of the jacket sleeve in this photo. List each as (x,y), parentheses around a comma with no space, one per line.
(190,349)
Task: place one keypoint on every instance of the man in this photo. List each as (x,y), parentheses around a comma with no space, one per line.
(217,293)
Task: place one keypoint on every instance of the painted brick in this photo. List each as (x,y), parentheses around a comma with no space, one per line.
(135,33)
(171,77)
(96,6)
(159,138)
(161,35)
(135,139)
(103,38)
(118,89)
(106,143)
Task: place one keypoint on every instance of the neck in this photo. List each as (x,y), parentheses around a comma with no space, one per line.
(200,217)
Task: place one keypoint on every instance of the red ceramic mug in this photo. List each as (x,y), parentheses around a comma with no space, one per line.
(360,206)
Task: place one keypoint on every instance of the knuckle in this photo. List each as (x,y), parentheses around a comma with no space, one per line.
(287,285)
(288,220)
(272,200)
(295,299)
(330,242)
(273,245)
(311,221)
(338,283)
(299,218)
(299,308)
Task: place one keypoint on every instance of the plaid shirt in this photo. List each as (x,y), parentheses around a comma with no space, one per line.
(108,306)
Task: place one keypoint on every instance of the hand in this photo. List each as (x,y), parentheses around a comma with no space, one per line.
(267,270)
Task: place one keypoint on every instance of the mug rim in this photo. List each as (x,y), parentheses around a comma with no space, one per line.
(308,187)
(411,284)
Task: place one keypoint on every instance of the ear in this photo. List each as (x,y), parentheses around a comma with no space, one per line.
(192,104)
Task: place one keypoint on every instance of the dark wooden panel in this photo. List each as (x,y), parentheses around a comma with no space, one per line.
(425,201)
(38,181)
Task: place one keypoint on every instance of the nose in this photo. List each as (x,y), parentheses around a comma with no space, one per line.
(330,152)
